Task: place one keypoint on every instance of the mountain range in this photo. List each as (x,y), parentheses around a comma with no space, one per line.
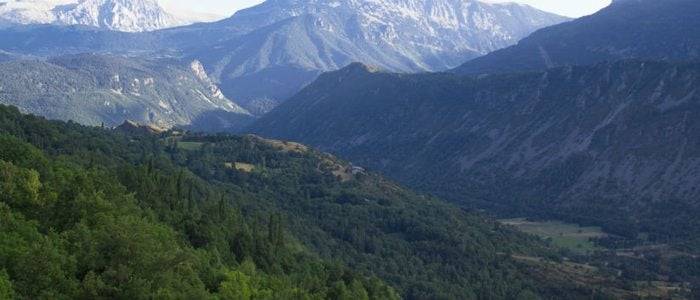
(592,122)
(288,43)
(265,54)
(119,15)
(608,144)
(106,90)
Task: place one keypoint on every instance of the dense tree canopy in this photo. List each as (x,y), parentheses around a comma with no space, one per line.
(94,213)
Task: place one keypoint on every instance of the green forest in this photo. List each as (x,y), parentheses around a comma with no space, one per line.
(82,219)
(96,213)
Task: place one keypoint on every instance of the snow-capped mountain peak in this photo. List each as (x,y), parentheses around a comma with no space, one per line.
(119,15)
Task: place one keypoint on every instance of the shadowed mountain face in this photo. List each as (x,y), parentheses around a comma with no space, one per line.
(647,29)
(96,89)
(609,144)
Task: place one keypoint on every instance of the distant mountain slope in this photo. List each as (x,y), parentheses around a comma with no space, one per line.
(95,89)
(265,54)
(287,43)
(119,15)
(648,29)
(51,40)
(615,144)
(7,56)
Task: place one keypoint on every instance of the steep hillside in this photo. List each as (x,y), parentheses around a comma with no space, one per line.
(646,29)
(613,144)
(241,216)
(95,89)
(82,216)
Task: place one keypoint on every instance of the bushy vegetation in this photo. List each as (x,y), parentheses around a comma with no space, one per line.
(79,221)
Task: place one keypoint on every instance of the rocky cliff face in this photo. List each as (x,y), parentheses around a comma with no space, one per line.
(614,141)
(265,54)
(285,44)
(119,15)
(97,89)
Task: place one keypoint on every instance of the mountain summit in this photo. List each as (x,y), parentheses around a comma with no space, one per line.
(118,15)
(265,54)
(285,44)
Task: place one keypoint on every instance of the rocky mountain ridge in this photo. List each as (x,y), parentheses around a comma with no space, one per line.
(589,144)
(118,15)
(285,44)
(106,90)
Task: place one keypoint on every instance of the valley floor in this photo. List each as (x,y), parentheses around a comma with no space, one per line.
(593,263)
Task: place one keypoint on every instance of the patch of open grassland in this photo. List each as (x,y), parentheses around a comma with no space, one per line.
(569,236)
(190,146)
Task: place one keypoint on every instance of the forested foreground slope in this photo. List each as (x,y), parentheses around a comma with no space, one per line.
(94,213)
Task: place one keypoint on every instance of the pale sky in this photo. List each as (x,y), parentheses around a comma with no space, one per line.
(571,8)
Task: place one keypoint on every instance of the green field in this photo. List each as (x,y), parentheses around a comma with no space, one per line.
(191,146)
(569,236)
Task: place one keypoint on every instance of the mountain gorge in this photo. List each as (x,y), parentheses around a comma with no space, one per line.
(244,217)
(590,122)
(100,89)
(384,149)
(605,144)
(608,144)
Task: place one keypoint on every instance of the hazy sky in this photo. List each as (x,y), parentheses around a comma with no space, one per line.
(571,8)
